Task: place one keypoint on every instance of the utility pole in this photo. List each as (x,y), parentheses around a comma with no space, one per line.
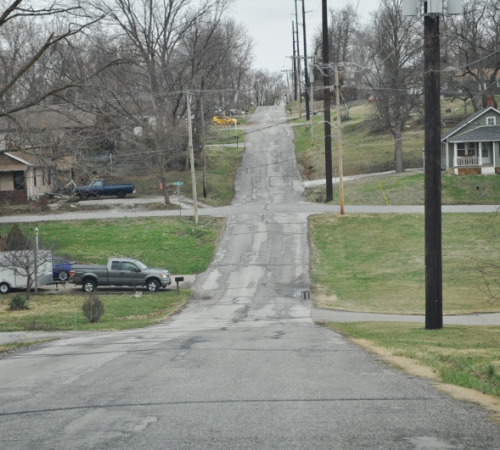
(191,157)
(339,143)
(312,108)
(306,76)
(432,156)
(294,66)
(326,104)
(299,89)
(432,109)
(35,260)
(203,146)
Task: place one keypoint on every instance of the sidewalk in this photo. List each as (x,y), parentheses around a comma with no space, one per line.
(330,315)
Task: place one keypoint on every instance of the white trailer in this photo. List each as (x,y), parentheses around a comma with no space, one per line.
(16,278)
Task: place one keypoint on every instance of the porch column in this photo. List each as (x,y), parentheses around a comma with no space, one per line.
(455,162)
(480,153)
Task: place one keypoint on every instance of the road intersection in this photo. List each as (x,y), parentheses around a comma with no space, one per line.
(244,366)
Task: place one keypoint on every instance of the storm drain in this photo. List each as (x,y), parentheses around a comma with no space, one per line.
(306,295)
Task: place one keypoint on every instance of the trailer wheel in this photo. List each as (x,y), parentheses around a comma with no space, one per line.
(89,285)
(4,288)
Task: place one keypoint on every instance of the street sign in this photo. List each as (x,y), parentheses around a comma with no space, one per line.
(177,183)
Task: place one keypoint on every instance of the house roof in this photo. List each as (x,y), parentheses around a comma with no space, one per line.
(11,161)
(467,121)
(479,134)
(47,117)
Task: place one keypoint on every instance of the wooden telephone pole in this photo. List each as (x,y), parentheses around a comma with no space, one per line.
(326,105)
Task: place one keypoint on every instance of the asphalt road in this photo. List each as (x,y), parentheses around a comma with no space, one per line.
(243,366)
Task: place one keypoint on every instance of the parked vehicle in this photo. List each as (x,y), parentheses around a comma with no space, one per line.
(9,279)
(99,187)
(61,268)
(223,120)
(119,272)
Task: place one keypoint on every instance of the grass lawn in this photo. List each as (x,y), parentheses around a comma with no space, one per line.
(460,355)
(408,189)
(376,262)
(363,151)
(222,163)
(174,243)
(122,311)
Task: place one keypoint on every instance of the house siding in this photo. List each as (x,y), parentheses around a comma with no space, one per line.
(6,181)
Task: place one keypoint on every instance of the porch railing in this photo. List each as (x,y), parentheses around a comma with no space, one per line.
(468,161)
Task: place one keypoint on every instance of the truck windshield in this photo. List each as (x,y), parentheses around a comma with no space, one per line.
(141,265)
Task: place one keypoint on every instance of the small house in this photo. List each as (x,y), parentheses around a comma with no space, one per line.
(473,146)
(24,177)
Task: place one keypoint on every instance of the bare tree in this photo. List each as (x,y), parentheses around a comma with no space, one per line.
(475,38)
(395,77)
(22,23)
(268,88)
(22,257)
(343,31)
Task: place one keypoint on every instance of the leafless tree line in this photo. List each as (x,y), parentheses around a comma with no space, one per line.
(383,58)
(120,71)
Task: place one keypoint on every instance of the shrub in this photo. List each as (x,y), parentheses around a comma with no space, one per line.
(93,308)
(18,302)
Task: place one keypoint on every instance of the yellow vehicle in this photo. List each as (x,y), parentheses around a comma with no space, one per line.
(223,120)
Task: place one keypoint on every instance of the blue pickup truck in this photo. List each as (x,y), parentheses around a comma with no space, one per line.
(99,187)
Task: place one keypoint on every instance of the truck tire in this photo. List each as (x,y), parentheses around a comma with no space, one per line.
(89,285)
(121,194)
(152,285)
(83,196)
(4,288)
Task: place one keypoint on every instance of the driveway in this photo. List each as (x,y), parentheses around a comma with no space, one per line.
(243,366)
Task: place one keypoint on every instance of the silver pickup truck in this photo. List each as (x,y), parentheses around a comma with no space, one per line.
(119,272)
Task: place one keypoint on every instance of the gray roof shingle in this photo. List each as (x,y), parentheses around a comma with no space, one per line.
(479,134)
(465,122)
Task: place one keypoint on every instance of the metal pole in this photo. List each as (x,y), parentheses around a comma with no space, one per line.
(339,143)
(299,96)
(308,115)
(326,103)
(432,108)
(35,254)
(191,158)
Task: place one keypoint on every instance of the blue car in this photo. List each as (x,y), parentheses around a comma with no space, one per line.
(60,268)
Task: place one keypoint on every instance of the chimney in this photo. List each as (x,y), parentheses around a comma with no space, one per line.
(489,101)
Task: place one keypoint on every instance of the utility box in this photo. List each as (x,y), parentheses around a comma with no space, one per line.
(411,7)
(454,7)
(433,7)
(426,7)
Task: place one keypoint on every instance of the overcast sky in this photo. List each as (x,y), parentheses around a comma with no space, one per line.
(269,22)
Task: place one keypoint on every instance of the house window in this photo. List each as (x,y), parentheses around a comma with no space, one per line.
(460,149)
(18,180)
(471,149)
(491,121)
(43,177)
(34,177)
